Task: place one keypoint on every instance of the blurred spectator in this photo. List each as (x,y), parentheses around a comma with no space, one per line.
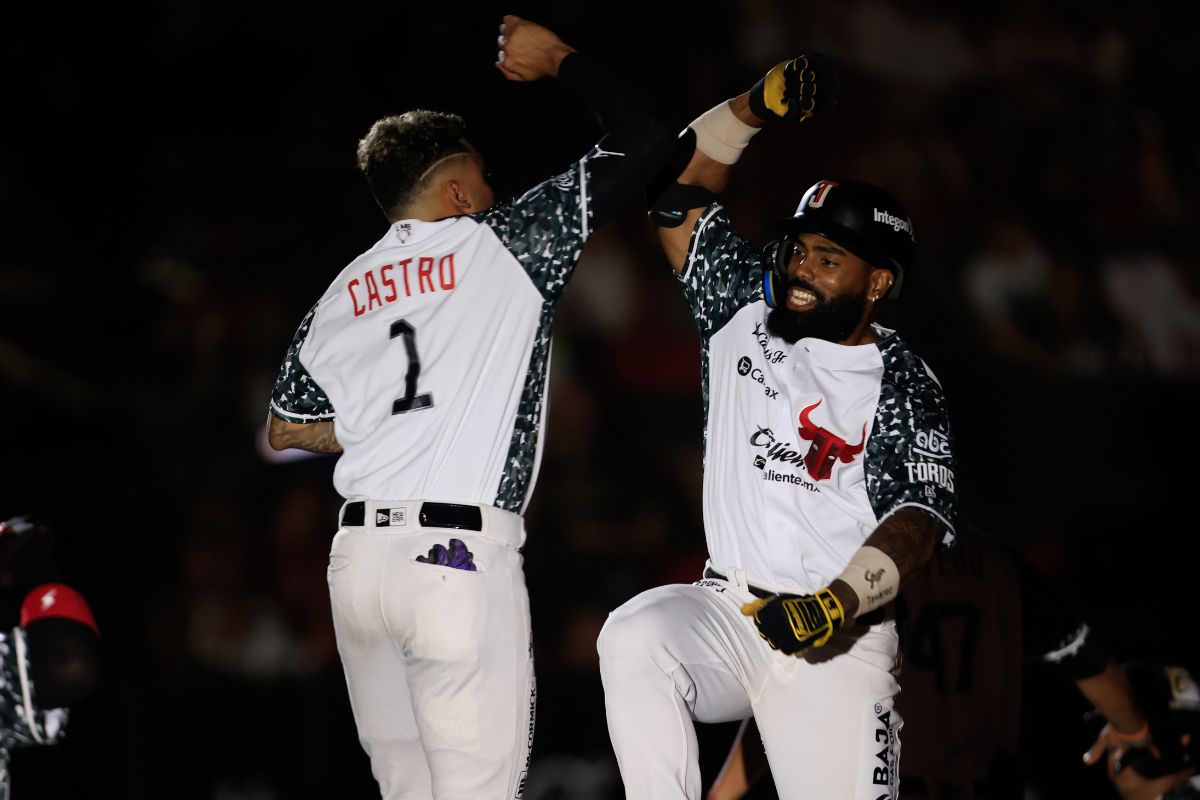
(1160,311)
(1036,312)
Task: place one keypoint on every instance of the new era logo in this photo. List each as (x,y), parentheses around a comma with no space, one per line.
(387,517)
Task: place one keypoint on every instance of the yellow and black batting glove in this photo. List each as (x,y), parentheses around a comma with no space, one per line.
(796,90)
(792,623)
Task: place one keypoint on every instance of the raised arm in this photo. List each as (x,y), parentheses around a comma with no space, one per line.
(709,147)
(635,141)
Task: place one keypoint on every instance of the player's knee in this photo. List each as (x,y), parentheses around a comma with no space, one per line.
(630,635)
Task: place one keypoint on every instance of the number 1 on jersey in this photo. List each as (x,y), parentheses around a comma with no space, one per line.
(411,401)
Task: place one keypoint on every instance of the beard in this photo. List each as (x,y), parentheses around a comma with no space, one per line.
(832,319)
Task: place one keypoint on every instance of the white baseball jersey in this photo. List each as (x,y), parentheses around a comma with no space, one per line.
(808,446)
(430,351)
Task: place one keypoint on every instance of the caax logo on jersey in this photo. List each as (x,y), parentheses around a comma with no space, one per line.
(365,291)
(388,517)
(746,368)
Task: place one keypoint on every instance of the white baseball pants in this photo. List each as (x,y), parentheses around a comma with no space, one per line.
(438,660)
(680,653)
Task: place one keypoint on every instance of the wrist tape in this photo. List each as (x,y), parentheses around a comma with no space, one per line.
(873,576)
(720,135)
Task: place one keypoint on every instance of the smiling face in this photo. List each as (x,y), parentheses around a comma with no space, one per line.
(829,294)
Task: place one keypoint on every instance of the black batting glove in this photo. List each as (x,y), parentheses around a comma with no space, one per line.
(796,90)
(792,623)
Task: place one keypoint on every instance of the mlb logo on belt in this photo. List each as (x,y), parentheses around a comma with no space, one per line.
(387,517)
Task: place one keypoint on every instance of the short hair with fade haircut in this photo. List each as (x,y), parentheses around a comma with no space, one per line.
(398,150)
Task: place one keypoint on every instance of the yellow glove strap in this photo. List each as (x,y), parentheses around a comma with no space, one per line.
(820,619)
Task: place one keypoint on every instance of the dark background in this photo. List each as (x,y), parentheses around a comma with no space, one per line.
(178,187)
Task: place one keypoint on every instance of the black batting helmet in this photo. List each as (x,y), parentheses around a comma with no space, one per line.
(863,218)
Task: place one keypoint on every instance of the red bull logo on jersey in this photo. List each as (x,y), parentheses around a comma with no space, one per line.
(827,447)
(380,286)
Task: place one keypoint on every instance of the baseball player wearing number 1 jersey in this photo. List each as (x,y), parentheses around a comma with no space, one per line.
(425,363)
(828,478)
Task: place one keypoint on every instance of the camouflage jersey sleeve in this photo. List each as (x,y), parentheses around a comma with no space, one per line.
(297,397)
(545,228)
(23,723)
(910,454)
(722,273)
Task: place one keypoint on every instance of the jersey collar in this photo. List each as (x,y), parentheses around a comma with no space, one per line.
(408,232)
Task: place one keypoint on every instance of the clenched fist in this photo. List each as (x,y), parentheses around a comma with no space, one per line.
(796,90)
(529,51)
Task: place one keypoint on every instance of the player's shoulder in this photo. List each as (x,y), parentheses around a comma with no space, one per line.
(902,365)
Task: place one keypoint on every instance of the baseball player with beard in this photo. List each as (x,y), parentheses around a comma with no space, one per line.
(829,479)
(425,365)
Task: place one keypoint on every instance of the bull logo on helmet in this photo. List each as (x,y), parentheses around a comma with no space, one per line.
(827,446)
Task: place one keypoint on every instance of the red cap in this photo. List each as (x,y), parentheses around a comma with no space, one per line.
(56,600)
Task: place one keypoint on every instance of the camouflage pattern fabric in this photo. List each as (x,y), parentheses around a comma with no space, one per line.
(22,723)
(545,229)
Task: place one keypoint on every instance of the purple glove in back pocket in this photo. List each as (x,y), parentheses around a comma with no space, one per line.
(456,557)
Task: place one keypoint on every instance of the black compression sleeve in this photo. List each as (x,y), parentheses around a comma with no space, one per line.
(639,140)
(1054,630)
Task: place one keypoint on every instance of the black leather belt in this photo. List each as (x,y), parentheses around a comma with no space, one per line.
(432,515)
(870,618)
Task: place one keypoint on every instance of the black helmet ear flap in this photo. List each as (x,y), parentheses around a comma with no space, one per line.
(771,286)
(777,253)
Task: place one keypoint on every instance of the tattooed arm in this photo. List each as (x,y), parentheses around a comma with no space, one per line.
(316,437)
(909,538)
